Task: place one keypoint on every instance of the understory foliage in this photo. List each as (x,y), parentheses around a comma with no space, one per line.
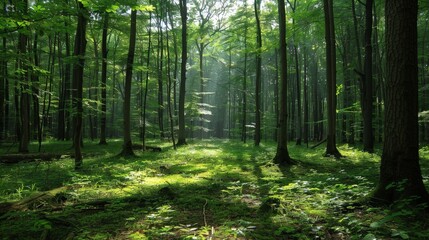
(207,189)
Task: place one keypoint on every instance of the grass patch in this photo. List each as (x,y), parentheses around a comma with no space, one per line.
(218,189)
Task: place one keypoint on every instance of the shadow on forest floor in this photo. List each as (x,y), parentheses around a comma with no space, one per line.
(208,189)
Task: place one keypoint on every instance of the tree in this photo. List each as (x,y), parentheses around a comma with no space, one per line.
(127,147)
(258,81)
(368,99)
(282,155)
(400,175)
(25,86)
(331,148)
(78,66)
(182,88)
(104,79)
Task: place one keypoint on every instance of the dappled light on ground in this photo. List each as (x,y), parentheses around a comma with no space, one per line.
(218,189)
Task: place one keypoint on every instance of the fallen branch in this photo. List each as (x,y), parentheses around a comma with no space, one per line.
(318,144)
(32,201)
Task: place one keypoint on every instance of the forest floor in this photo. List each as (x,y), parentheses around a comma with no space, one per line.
(205,190)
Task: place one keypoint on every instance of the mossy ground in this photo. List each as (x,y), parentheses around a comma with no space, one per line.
(207,189)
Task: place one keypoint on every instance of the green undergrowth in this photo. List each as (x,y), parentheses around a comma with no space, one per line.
(207,189)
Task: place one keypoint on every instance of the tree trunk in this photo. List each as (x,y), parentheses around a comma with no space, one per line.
(3,79)
(244,94)
(282,155)
(400,175)
(182,90)
(25,88)
(127,147)
(331,148)
(298,98)
(160,77)
(144,97)
(201,48)
(78,67)
(276,94)
(368,99)
(104,79)
(35,93)
(169,88)
(306,102)
(258,74)
(67,89)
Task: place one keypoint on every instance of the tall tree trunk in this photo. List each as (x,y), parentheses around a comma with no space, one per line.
(169,88)
(400,174)
(160,77)
(176,62)
(144,97)
(25,87)
(306,103)
(104,52)
(182,90)
(331,148)
(61,122)
(282,155)
(348,130)
(35,93)
(78,67)
(67,89)
(201,48)
(368,98)
(258,82)
(298,98)
(3,79)
(276,94)
(244,94)
(127,147)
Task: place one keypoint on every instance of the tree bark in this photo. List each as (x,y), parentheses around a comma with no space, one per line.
(160,75)
(282,155)
(3,79)
(104,52)
(400,174)
(368,98)
(78,67)
(25,88)
(331,148)
(127,147)
(258,81)
(182,88)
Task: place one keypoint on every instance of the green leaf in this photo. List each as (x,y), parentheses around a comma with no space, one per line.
(375,225)
(369,236)
(144,8)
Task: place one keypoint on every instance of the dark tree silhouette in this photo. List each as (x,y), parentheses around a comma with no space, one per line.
(282,155)
(400,175)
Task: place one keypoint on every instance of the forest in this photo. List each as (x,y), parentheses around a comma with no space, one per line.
(214,119)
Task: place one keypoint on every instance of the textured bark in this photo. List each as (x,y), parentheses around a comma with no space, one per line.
(282,155)
(244,86)
(331,148)
(182,89)
(368,98)
(258,80)
(400,175)
(160,53)
(104,80)
(78,67)
(37,128)
(306,102)
(127,147)
(3,79)
(25,88)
